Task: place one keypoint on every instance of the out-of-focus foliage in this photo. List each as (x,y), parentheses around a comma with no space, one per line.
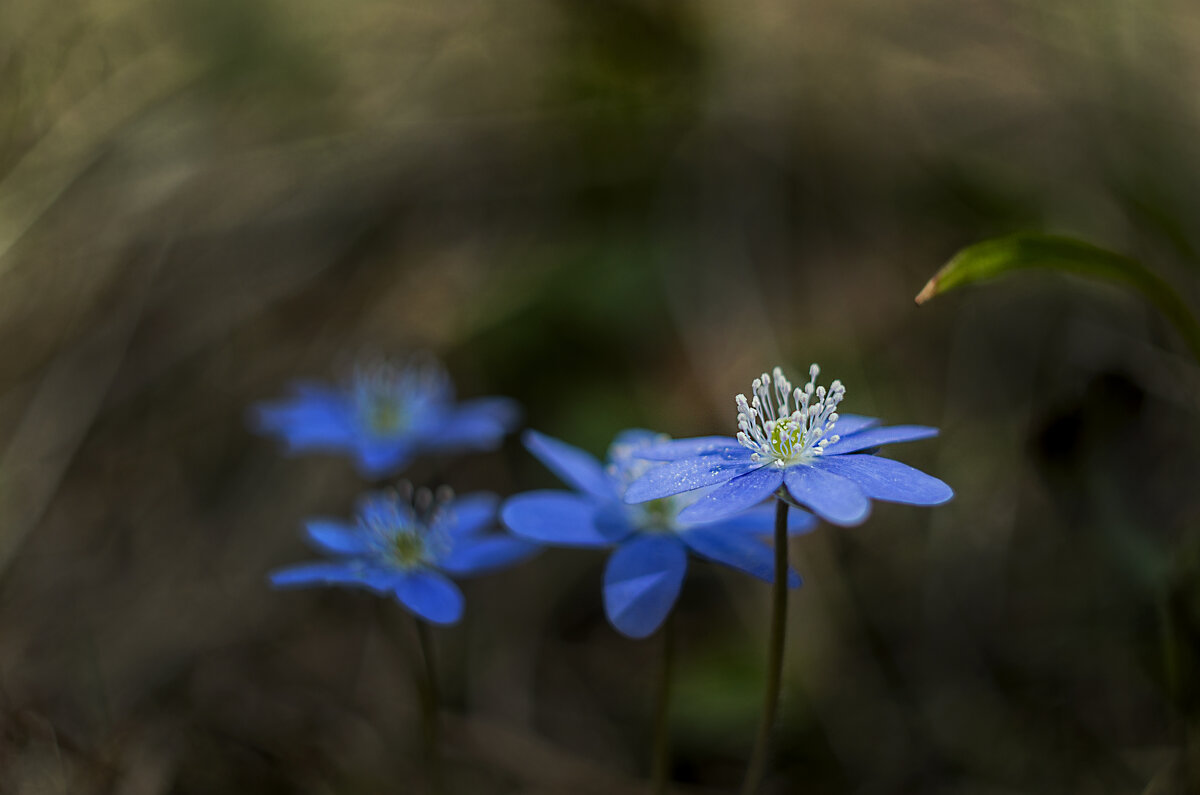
(996,257)
(616,213)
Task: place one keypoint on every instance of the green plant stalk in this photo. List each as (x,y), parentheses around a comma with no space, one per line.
(758,757)
(428,688)
(660,764)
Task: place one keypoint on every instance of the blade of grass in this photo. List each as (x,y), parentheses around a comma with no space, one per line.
(998,256)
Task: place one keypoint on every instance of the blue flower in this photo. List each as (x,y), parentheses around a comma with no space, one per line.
(786,446)
(645,573)
(406,550)
(386,415)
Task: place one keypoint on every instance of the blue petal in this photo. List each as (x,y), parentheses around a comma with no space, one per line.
(833,498)
(885,479)
(735,496)
(687,448)
(314,420)
(504,412)
(462,431)
(555,517)
(572,465)
(738,550)
(378,458)
(430,595)
(687,474)
(874,437)
(348,573)
(760,520)
(853,423)
(634,437)
(478,555)
(469,514)
(642,582)
(339,538)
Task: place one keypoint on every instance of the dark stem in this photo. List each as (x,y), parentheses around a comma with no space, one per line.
(660,765)
(427,685)
(758,758)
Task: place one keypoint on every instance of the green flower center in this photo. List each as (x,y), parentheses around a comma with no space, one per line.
(408,548)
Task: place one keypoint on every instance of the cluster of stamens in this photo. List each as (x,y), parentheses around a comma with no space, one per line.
(787,426)
(402,524)
(387,395)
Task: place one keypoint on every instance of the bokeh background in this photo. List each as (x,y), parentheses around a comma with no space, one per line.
(618,213)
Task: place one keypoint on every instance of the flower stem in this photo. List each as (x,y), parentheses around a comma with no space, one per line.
(758,758)
(427,685)
(660,765)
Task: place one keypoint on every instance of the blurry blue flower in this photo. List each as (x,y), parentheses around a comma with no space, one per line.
(786,445)
(406,550)
(386,415)
(644,574)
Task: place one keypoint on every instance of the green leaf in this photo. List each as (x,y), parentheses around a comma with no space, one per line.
(998,256)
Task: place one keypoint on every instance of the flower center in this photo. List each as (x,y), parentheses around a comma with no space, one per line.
(408,548)
(390,399)
(404,526)
(655,516)
(787,426)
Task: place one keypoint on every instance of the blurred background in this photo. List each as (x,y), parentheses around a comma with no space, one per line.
(617,213)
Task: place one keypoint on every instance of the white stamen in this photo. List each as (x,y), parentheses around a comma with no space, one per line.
(788,425)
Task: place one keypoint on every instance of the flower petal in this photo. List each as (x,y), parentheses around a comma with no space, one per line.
(318,418)
(739,550)
(338,538)
(430,595)
(760,520)
(832,497)
(853,423)
(874,437)
(687,448)
(379,458)
(354,574)
(573,466)
(479,555)
(885,479)
(735,496)
(504,412)
(469,514)
(642,582)
(473,425)
(555,517)
(687,474)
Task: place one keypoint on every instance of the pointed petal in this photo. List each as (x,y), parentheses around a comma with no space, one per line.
(349,573)
(477,555)
(339,538)
(853,423)
(642,582)
(739,550)
(634,437)
(687,448)
(470,514)
(431,596)
(832,497)
(378,458)
(313,420)
(504,412)
(573,466)
(687,474)
(472,425)
(760,521)
(885,479)
(555,517)
(735,496)
(875,437)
